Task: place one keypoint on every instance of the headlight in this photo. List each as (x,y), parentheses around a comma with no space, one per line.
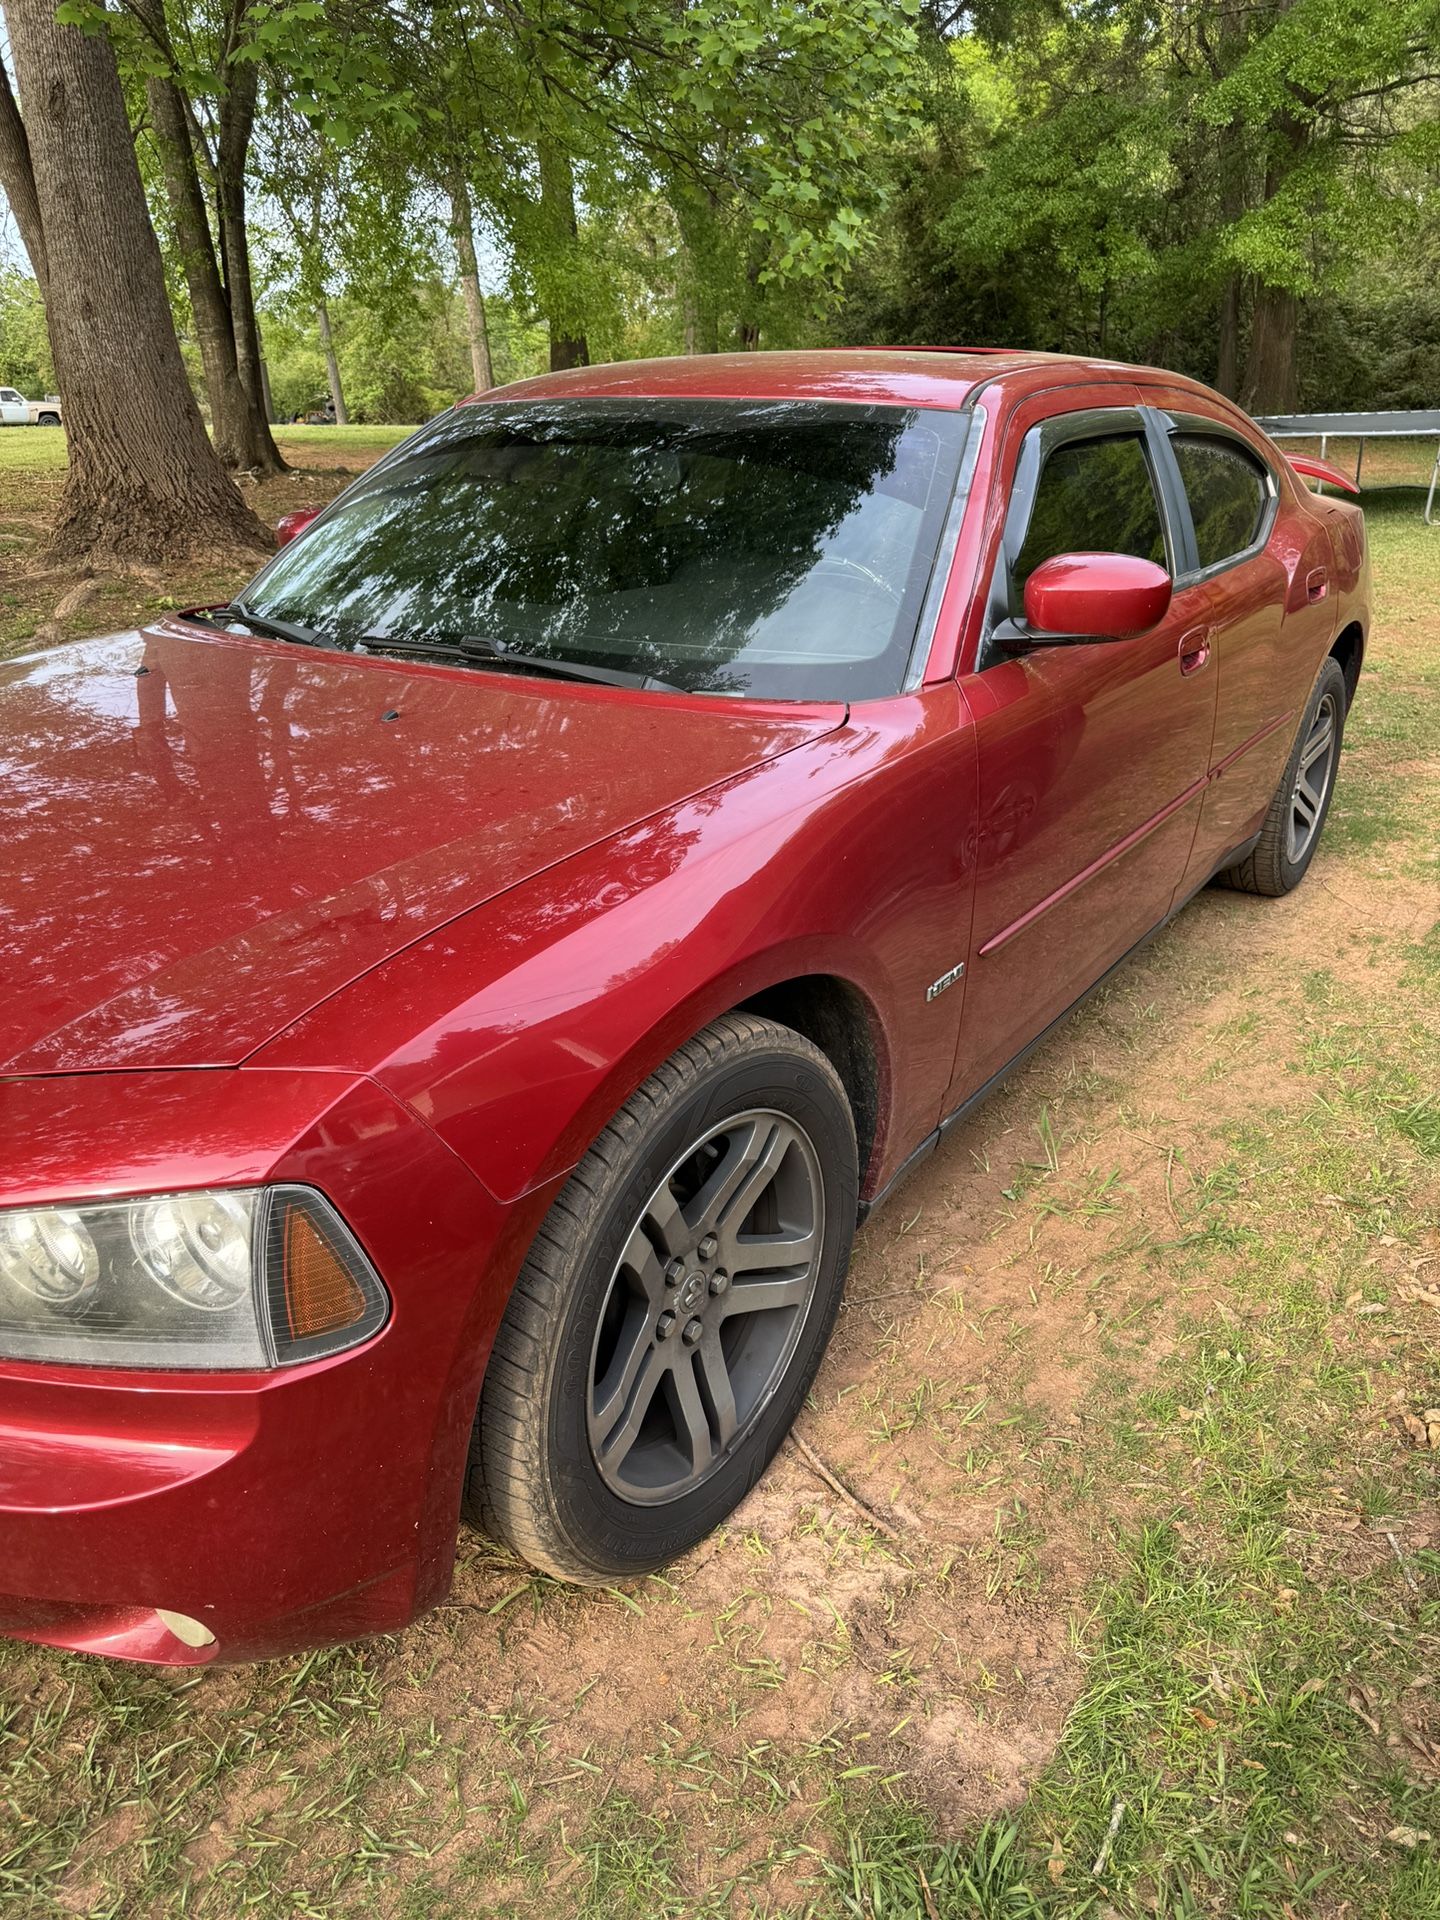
(197,1247)
(235,1277)
(49,1254)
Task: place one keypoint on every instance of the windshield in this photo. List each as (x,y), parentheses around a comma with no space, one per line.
(776,549)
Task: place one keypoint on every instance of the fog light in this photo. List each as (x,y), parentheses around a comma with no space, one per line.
(193,1633)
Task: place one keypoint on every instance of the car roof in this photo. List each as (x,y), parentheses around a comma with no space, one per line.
(909,376)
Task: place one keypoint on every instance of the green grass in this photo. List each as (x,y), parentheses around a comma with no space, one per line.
(1124,1369)
(32,472)
(31,450)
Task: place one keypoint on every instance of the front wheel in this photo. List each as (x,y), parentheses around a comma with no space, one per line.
(670,1317)
(1297,813)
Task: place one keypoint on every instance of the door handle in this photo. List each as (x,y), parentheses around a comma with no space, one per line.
(1194,650)
(1317,583)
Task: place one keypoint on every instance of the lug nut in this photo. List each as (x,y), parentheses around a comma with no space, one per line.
(693,1331)
(707,1246)
(665,1326)
(674,1273)
(719,1280)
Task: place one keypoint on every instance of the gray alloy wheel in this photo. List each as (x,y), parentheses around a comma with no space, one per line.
(1297,813)
(1313,776)
(668,1320)
(705,1306)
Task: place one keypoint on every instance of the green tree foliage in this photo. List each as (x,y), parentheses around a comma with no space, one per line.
(400,364)
(1245,190)
(1161,181)
(754,124)
(24,344)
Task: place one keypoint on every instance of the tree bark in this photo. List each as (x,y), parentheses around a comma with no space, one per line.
(1232,162)
(232,423)
(17,179)
(568,347)
(1269,381)
(1227,358)
(144,482)
(332,365)
(747,331)
(237,120)
(462,228)
(1269,385)
(239,416)
(701,313)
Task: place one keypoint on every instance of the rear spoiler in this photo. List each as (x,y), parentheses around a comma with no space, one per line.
(1312,469)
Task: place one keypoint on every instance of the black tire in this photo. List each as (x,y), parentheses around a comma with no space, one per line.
(1277,864)
(588,1290)
(48,420)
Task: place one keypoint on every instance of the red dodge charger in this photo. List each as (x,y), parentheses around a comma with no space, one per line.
(464,993)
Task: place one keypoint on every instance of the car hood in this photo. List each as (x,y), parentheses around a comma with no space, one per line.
(202,836)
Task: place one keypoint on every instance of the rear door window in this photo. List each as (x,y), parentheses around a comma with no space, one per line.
(1228,495)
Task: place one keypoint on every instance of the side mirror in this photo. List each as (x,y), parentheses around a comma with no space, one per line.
(289,525)
(1077,597)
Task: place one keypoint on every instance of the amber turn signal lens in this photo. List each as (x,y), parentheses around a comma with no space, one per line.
(321,1295)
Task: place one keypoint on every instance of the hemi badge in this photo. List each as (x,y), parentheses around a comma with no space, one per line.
(945,980)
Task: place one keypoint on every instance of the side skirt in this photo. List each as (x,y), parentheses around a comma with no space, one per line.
(982,1093)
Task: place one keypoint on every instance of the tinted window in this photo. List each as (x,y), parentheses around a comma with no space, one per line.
(1227,495)
(1095,496)
(780,549)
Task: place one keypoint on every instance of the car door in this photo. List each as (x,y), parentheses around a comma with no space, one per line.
(1091,757)
(13,411)
(1262,586)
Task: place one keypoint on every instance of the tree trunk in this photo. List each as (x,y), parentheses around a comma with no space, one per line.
(1232,162)
(568,346)
(144,481)
(1227,358)
(462,228)
(1269,385)
(694,217)
(1269,381)
(237,120)
(747,332)
(702,322)
(231,418)
(332,365)
(17,179)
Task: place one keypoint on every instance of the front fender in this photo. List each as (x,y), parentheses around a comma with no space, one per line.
(518,1030)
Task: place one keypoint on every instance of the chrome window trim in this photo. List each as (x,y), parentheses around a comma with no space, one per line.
(928,625)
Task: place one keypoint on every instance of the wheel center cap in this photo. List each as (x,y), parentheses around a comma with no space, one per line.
(692,1293)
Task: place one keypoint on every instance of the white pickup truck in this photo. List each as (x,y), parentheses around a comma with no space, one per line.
(17,411)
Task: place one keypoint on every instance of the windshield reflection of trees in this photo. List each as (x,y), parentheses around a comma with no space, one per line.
(658,545)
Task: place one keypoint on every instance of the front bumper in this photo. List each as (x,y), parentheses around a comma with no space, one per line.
(280,1511)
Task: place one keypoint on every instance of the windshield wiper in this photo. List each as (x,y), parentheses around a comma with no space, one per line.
(474,647)
(262,623)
